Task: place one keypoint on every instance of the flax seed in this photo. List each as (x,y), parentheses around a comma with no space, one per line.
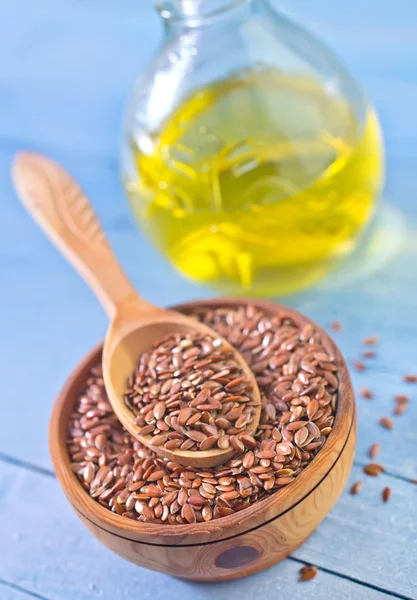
(400,409)
(158,389)
(386,423)
(374,450)
(356,488)
(307,573)
(386,494)
(373,469)
(359,365)
(298,381)
(371,340)
(369,354)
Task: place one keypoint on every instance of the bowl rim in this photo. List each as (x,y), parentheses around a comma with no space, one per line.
(97,514)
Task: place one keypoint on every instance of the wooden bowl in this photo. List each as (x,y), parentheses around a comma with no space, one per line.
(236,545)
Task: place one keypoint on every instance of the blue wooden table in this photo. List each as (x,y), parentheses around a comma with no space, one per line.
(65,70)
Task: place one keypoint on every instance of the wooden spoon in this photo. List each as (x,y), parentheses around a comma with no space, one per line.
(62,210)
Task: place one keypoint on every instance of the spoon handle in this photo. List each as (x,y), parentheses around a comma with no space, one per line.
(62,210)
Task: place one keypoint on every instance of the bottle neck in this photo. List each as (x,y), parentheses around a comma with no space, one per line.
(193,13)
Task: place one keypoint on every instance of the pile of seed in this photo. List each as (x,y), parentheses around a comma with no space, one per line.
(189,392)
(298,384)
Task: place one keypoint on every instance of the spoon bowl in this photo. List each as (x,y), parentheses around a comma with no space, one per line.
(130,337)
(62,210)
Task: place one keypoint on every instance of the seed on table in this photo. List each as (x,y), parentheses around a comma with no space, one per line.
(373,469)
(359,365)
(410,378)
(400,409)
(336,326)
(307,573)
(386,494)
(386,423)
(401,399)
(374,450)
(366,393)
(369,354)
(356,488)
(371,340)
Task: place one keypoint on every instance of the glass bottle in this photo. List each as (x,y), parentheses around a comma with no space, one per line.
(251,157)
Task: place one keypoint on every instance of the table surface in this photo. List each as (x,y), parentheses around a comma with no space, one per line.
(65,70)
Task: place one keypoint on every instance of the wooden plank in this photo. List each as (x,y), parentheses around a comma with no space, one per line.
(105,45)
(364,536)
(71,321)
(38,524)
(9,591)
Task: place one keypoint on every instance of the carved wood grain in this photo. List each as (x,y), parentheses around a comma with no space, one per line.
(62,210)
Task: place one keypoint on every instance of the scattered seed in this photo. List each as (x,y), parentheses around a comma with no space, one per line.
(369,354)
(359,365)
(371,340)
(307,573)
(410,378)
(386,494)
(366,393)
(386,423)
(356,488)
(336,326)
(401,398)
(374,450)
(373,469)
(400,409)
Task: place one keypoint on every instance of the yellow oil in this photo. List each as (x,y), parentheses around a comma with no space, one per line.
(259,183)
